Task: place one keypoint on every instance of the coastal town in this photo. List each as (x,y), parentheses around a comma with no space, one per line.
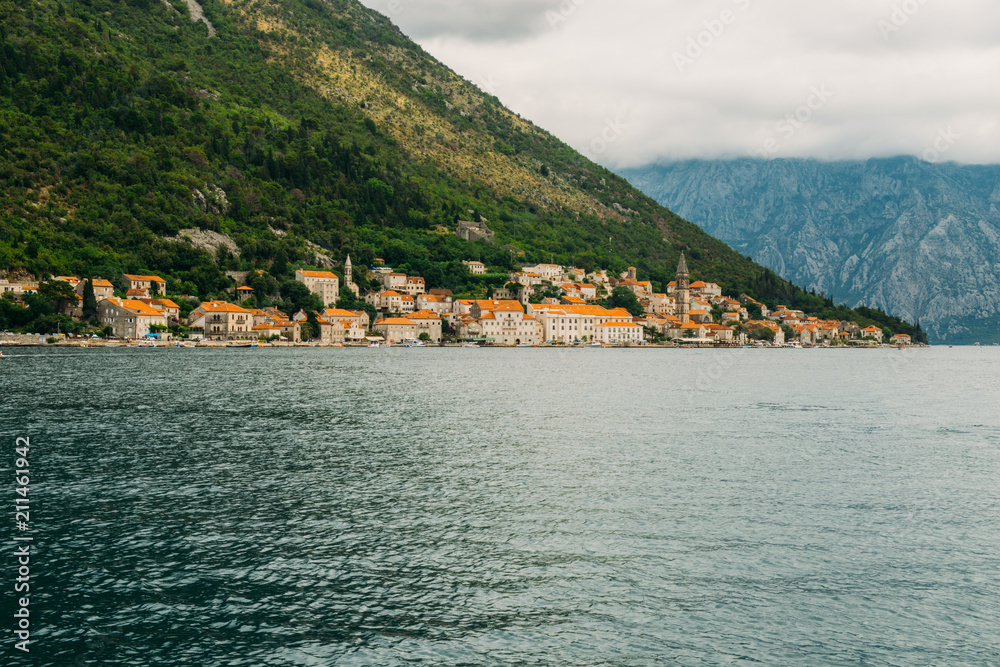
(539,305)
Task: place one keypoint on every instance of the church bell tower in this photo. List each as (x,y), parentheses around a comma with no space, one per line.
(682,294)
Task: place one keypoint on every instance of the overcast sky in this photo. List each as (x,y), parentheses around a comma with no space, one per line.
(630,82)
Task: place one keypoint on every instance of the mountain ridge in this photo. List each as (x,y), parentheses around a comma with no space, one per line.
(917,239)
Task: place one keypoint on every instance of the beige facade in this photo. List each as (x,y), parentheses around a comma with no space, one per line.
(619,333)
(170,309)
(434,303)
(150,285)
(874,332)
(548,272)
(390,301)
(415,285)
(339,314)
(223,321)
(509,327)
(396,329)
(392,281)
(103,289)
(475,268)
(324,284)
(128,318)
(428,322)
(572,323)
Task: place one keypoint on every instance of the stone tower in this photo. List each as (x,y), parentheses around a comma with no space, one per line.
(349,277)
(682,293)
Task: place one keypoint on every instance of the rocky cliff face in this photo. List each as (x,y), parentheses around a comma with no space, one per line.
(920,240)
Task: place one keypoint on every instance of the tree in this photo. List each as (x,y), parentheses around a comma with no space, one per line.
(312,325)
(424,336)
(298,297)
(57,293)
(89,300)
(762,333)
(263,286)
(623,297)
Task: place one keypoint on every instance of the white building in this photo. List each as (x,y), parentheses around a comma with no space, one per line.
(324,284)
(475,268)
(568,323)
(619,333)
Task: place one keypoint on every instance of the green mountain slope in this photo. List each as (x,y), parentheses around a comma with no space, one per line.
(299,127)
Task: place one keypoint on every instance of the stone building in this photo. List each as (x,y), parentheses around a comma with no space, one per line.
(324,284)
(223,321)
(129,318)
(396,329)
(474,231)
(149,285)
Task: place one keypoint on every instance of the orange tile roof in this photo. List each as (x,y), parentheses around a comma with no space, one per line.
(499,304)
(339,312)
(101,282)
(318,274)
(423,315)
(145,278)
(222,307)
(137,307)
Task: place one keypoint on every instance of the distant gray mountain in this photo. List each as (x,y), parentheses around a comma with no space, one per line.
(919,240)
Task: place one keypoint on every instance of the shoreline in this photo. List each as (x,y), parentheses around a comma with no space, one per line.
(216,345)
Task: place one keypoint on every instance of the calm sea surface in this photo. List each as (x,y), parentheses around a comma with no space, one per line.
(514,507)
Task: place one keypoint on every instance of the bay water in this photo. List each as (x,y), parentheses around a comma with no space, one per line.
(506,506)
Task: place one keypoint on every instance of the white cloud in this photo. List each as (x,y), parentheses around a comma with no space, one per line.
(720,77)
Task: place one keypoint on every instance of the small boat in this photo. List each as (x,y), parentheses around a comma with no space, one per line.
(469,345)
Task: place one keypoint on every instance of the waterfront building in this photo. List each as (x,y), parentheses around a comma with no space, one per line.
(221,320)
(395,329)
(619,333)
(129,318)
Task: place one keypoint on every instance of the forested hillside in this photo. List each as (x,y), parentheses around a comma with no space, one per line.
(302,130)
